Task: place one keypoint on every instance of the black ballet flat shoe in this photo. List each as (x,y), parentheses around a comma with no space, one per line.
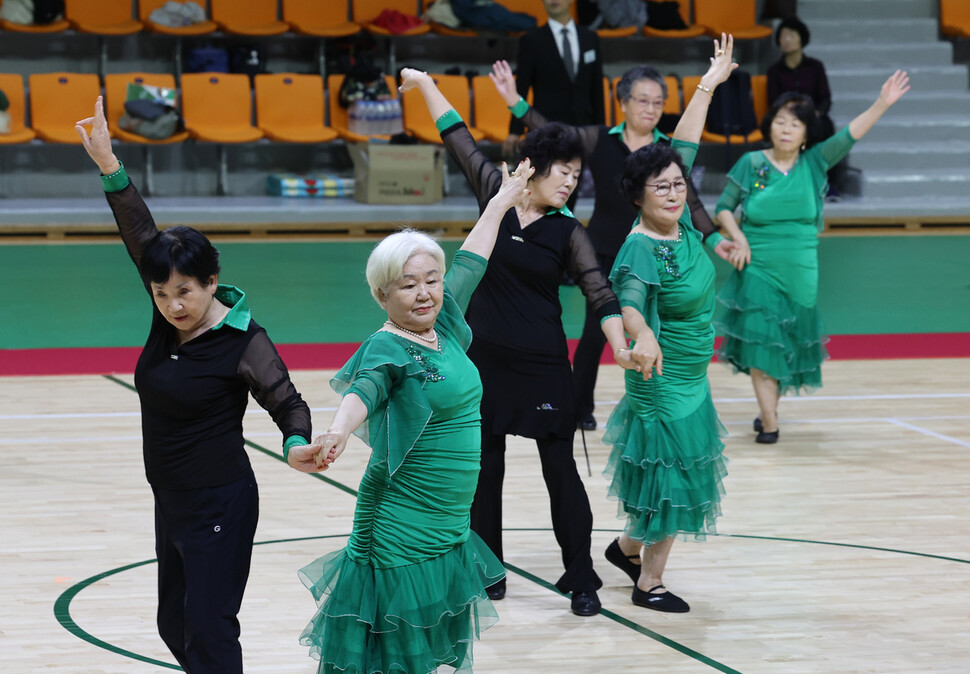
(766,438)
(757,425)
(496,591)
(667,601)
(587,423)
(616,557)
(585,603)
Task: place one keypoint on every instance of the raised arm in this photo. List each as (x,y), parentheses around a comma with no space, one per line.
(483,177)
(691,123)
(892,90)
(132,216)
(481,239)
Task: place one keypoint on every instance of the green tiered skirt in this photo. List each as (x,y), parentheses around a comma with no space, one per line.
(764,329)
(666,473)
(411,618)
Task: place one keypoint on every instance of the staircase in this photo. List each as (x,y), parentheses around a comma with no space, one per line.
(917,157)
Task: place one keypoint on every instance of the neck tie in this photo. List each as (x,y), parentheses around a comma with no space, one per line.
(567,55)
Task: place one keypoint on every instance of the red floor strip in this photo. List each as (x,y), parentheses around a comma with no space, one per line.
(29,362)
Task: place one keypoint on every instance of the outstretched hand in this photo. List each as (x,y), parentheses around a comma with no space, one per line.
(411,78)
(514,188)
(504,82)
(98,142)
(722,63)
(894,88)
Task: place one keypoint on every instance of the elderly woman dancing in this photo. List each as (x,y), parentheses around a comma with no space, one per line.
(667,461)
(771,326)
(408,592)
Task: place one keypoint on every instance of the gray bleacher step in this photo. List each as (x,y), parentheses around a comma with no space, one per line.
(924,78)
(925,128)
(825,31)
(911,156)
(811,10)
(930,184)
(914,103)
(892,55)
(895,207)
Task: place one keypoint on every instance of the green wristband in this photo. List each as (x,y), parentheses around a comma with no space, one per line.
(448,119)
(520,108)
(116,181)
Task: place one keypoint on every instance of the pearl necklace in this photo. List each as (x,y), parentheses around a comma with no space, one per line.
(430,340)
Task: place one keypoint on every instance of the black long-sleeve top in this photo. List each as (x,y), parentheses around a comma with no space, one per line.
(605,153)
(516,304)
(808,77)
(193,396)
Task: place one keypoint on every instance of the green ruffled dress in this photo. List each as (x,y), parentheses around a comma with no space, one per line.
(667,461)
(407,593)
(771,320)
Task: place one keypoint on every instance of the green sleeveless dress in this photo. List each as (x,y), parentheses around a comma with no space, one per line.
(667,463)
(407,593)
(771,320)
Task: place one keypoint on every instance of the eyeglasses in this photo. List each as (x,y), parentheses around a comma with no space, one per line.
(648,102)
(663,189)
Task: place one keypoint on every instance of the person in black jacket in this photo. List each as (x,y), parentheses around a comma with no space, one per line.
(562,65)
(203,357)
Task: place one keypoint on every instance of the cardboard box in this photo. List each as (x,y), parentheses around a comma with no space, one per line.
(397,174)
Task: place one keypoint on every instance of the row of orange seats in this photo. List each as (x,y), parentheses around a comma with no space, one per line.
(955,18)
(217,107)
(341,18)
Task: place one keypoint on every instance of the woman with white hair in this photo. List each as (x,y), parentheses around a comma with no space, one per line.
(407,593)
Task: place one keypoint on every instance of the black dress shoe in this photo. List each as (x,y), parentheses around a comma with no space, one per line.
(587,423)
(667,602)
(496,591)
(616,557)
(766,438)
(757,425)
(585,603)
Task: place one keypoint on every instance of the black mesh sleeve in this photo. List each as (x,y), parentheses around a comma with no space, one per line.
(482,175)
(134,220)
(584,267)
(269,381)
(698,214)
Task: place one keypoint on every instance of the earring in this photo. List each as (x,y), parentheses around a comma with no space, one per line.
(803,147)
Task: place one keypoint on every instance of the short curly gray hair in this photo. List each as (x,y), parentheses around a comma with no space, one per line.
(386,262)
(625,86)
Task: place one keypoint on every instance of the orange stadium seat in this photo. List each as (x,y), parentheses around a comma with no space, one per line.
(101,17)
(417,119)
(247,17)
(759,92)
(608,103)
(492,116)
(533,7)
(955,18)
(57,100)
(146,7)
(12,84)
(689,32)
(339,116)
(289,108)
(671,105)
(319,18)
(365,11)
(115,91)
(440,29)
(52,27)
(736,17)
(217,108)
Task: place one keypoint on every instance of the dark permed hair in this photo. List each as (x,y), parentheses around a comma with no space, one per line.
(551,143)
(792,23)
(180,249)
(799,105)
(649,161)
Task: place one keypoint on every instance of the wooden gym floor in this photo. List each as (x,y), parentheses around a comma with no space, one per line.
(844,548)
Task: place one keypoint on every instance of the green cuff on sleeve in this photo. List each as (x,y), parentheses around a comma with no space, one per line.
(293,441)
(520,108)
(606,318)
(117,181)
(448,119)
(714,239)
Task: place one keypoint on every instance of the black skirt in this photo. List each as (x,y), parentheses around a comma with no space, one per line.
(525,394)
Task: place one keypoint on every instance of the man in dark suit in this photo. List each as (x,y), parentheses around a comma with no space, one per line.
(562,64)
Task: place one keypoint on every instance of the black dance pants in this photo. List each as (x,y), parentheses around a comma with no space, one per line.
(572,519)
(204,542)
(586,360)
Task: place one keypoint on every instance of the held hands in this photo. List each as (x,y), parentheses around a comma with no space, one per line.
(98,142)
(332,445)
(514,188)
(722,63)
(647,355)
(504,82)
(412,79)
(736,252)
(894,88)
(303,458)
